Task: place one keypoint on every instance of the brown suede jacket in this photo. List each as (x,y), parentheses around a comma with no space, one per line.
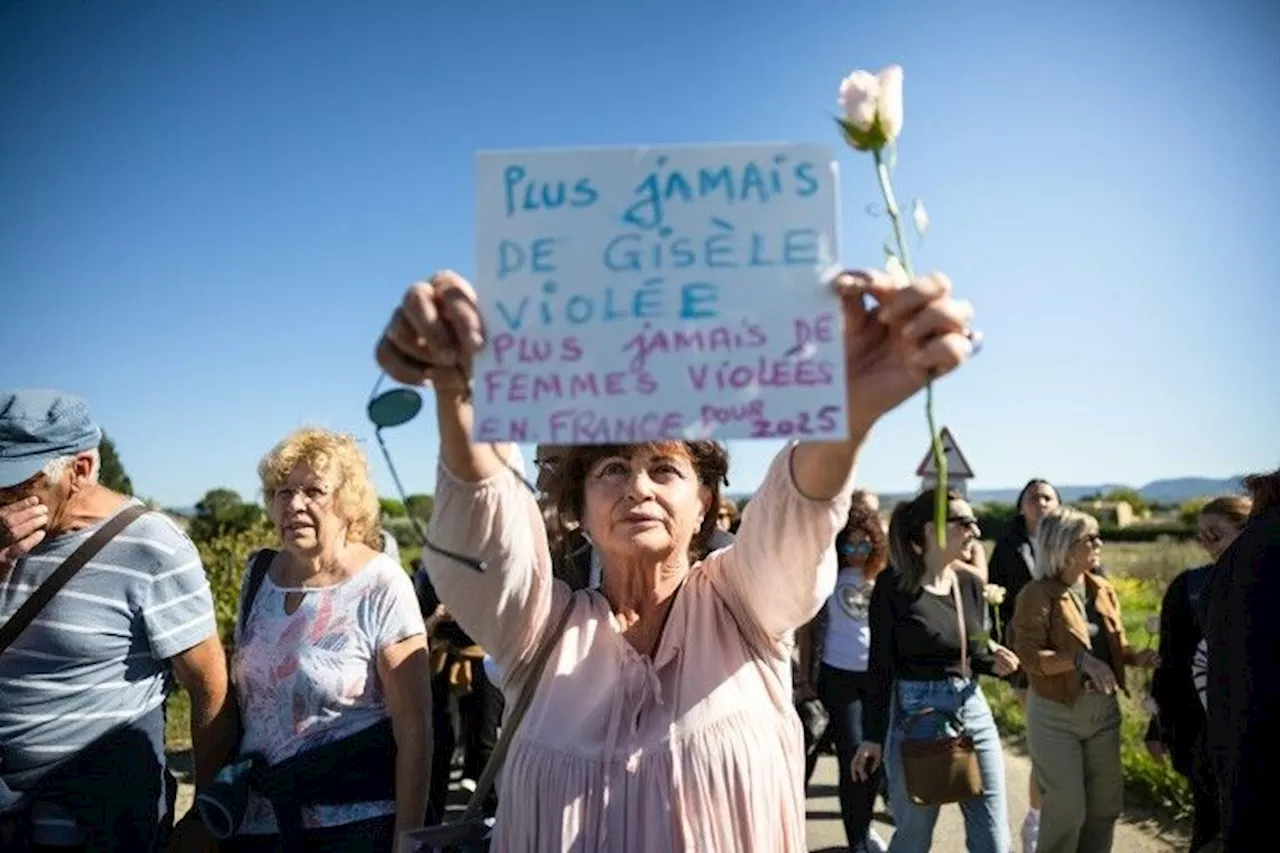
(1047,618)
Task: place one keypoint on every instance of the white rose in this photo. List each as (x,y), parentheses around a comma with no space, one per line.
(872,106)
(994,593)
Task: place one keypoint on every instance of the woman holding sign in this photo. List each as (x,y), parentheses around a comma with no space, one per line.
(663,720)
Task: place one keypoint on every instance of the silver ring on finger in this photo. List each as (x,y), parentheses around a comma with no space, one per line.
(975,340)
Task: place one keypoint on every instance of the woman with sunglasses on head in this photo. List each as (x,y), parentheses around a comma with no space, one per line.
(663,720)
(927,646)
(835,650)
(1070,637)
(1178,725)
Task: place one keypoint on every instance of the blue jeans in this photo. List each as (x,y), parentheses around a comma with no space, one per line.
(986,817)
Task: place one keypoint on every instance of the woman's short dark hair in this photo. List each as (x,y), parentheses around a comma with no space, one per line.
(906,535)
(566,485)
(864,523)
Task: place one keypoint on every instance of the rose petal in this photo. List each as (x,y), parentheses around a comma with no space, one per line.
(889,110)
(859,95)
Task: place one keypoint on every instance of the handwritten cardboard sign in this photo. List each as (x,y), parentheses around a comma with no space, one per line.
(634,294)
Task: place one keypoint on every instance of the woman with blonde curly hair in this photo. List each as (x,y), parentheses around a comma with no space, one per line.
(329,649)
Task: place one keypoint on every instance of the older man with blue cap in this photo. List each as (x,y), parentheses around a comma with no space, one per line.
(101,602)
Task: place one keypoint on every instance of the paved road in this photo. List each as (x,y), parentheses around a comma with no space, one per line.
(826,835)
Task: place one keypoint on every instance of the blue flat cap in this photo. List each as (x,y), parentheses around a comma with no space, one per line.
(37,426)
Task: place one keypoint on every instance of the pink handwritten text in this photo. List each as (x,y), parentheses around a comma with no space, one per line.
(523,349)
(587,426)
(649,341)
(509,386)
(764,372)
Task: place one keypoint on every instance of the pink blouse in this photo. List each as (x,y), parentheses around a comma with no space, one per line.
(696,749)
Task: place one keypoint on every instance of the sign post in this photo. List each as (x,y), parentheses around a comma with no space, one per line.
(637,294)
(959,472)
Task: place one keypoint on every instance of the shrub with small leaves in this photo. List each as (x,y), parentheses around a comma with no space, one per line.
(225,559)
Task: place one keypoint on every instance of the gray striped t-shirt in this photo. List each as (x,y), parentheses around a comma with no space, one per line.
(96,656)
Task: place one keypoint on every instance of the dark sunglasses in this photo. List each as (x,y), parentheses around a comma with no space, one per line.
(1091,539)
(963,520)
(395,408)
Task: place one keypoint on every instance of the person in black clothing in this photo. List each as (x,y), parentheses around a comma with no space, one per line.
(919,663)
(478,703)
(1011,564)
(1242,635)
(1177,728)
(1014,553)
(834,650)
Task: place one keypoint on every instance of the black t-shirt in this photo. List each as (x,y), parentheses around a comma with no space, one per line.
(916,637)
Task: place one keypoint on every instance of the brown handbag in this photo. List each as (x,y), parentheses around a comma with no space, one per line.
(942,770)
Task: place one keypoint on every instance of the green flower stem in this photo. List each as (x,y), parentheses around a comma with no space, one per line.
(904,255)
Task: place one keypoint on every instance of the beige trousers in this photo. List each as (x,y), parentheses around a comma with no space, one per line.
(1075,753)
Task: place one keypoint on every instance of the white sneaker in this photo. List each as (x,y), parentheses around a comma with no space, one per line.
(1030,831)
(875,844)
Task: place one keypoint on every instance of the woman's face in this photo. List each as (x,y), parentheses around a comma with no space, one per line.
(724,518)
(962,532)
(305,512)
(1085,555)
(1038,500)
(855,551)
(645,504)
(1216,534)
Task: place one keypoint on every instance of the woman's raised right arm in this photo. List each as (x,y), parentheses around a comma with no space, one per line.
(482,510)
(432,339)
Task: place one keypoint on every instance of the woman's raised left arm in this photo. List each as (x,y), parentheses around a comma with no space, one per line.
(783,566)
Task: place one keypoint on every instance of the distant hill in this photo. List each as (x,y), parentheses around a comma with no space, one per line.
(1174,490)
(1170,491)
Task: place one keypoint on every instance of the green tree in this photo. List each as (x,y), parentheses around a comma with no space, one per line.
(111,471)
(392,508)
(222,512)
(420,505)
(225,560)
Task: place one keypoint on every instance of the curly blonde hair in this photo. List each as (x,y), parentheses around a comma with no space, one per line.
(331,455)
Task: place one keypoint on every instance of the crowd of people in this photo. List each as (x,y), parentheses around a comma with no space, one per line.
(652,669)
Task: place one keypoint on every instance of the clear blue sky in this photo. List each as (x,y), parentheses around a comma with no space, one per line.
(208,209)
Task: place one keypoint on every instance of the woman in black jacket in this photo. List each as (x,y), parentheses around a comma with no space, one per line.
(1010,568)
(1178,725)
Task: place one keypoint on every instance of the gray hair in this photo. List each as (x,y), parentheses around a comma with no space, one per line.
(56,467)
(1059,529)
